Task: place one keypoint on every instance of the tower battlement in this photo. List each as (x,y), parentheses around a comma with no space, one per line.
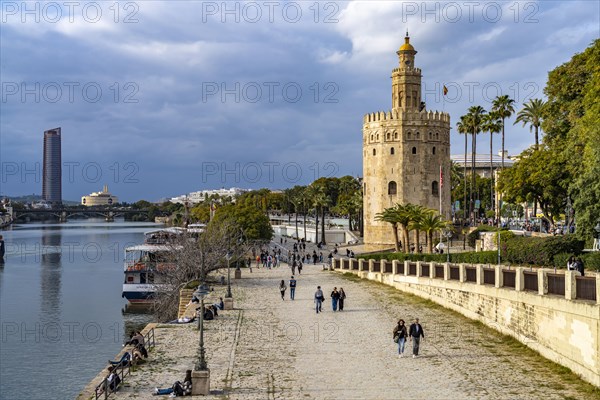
(399,114)
(406,69)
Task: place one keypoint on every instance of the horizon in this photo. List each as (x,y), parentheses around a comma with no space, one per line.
(159,99)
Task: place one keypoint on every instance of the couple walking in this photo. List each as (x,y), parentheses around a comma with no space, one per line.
(283,288)
(337,299)
(414,333)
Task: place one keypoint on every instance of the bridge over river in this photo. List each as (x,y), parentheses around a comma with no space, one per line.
(63,213)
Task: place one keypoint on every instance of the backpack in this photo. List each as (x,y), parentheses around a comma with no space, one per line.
(178,388)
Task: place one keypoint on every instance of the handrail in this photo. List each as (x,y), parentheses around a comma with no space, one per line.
(122,369)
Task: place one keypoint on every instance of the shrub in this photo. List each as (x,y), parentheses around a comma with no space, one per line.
(560,260)
(591,261)
(483,257)
(539,251)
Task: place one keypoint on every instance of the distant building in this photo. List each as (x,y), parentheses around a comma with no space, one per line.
(482,163)
(52,169)
(200,196)
(103,198)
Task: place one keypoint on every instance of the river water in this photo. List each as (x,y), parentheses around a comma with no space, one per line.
(61,312)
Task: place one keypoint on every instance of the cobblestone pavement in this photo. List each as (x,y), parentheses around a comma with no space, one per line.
(272,349)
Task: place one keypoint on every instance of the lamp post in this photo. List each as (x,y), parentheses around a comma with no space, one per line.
(201,293)
(228,257)
(447,234)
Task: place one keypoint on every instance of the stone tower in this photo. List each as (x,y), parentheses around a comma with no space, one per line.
(403,150)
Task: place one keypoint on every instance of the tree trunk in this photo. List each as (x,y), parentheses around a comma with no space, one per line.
(465,183)
(323,225)
(395,228)
(316,224)
(296,213)
(304,215)
(491,172)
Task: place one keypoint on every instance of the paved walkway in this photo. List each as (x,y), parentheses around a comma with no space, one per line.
(272,349)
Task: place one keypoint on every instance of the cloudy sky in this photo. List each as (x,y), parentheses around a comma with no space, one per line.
(157,99)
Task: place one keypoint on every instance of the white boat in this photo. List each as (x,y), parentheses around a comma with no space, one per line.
(144,264)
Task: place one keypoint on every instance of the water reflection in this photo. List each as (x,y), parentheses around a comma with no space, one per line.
(50,276)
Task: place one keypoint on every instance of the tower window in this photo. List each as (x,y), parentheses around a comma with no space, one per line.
(430,135)
(388,136)
(392,151)
(414,150)
(437,136)
(374,152)
(418,135)
(371,138)
(433,150)
(435,188)
(408,135)
(392,188)
(395,135)
(378,136)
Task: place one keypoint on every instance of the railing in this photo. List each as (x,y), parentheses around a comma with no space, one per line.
(412,268)
(122,370)
(454,272)
(585,288)
(470,274)
(530,280)
(509,278)
(400,268)
(439,272)
(387,267)
(556,284)
(377,266)
(489,276)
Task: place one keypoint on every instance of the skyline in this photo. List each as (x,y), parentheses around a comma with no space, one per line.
(189,102)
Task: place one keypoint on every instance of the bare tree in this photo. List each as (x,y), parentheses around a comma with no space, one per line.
(191,260)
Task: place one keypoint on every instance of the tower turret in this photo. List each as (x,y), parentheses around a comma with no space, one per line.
(406,79)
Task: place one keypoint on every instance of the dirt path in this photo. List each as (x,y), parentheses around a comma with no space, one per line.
(272,349)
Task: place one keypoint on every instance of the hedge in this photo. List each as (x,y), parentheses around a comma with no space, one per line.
(540,251)
(482,257)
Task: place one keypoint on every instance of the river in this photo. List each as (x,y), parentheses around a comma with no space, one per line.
(61,312)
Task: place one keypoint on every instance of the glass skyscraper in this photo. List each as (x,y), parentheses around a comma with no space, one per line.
(52,172)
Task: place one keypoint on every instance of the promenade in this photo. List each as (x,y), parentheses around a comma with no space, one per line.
(272,349)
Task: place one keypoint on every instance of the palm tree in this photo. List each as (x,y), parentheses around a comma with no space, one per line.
(431,222)
(476,114)
(503,107)
(462,126)
(531,114)
(390,215)
(403,218)
(416,214)
(491,124)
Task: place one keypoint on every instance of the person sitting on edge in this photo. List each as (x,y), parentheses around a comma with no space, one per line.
(113,379)
(178,389)
(208,314)
(220,305)
(125,359)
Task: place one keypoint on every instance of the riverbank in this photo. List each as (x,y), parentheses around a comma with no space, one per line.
(267,348)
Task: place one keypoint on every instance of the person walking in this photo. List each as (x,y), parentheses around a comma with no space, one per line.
(282,289)
(415,333)
(318,299)
(300,267)
(292,288)
(335,297)
(342,298)
(400,336)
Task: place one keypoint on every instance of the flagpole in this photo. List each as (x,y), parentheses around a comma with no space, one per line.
(441,188)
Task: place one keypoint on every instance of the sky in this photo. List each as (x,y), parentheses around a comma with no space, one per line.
(157,99)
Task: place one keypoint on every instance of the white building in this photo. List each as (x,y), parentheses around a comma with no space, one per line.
(200,196)
(103,198)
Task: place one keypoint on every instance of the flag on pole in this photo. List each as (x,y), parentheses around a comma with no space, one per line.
(441,177)
(445,90)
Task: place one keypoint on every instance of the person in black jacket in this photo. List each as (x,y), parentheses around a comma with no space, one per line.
(416,333)
(400,334)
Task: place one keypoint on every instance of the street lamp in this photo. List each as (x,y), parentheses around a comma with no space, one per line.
(447,234)
(201,293)
(228,257)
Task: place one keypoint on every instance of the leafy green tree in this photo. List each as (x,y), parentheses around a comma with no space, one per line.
(250,219)
(430,223)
